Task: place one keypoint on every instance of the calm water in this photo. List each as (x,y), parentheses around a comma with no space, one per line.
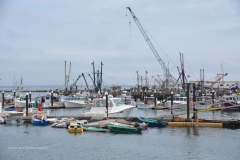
(32,142)
(28,142)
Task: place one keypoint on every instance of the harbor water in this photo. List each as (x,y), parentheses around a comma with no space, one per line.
(26,141)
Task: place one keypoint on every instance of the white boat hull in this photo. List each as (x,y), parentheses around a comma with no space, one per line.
(20,105)
(98,112)
(74,104)
(143,106)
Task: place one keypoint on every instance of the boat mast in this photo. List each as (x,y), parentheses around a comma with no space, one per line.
(183,73)
(146,84)
(94,83)
(65,77)
(101,78)
(137,80)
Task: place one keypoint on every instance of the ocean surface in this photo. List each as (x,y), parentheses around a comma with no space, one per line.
(25,142)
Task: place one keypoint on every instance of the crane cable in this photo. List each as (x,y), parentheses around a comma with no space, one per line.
(154,40)
(159,46)
(129,24)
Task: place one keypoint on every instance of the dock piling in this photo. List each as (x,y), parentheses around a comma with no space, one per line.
(26,104)
(2,98)
(106,94)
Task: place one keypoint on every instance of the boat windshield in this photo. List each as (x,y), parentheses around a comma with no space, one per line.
(182,99)
(102,103)
(118,102)
(22,98)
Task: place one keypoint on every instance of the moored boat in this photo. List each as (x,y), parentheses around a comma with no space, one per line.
(152,122)
(135,124)
(75,128)
(116,108)
(179,101)
(117,127)
(147,103)
(231,102)
(39,120)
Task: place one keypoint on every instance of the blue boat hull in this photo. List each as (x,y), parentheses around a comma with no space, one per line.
(37,122)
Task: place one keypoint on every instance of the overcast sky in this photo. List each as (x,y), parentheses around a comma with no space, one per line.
(36,37)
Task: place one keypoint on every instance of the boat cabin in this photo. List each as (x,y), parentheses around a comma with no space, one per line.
(101,102)
(178,99)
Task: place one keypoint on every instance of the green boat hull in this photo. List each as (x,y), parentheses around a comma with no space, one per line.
(152,122)
(124,129)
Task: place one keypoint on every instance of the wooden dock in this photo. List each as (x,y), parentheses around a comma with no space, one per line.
(175,122)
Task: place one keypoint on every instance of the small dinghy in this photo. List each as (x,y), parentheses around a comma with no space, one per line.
(39,120)
(75,128)
(135,124)
(153,122)
(118,127)
(52,120)
(95,129)
(59,125)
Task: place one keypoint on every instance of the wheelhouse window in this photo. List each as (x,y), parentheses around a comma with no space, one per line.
(102,103)
(118,102)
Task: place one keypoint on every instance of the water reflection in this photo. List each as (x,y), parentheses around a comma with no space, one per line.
(195,131)
(192,131)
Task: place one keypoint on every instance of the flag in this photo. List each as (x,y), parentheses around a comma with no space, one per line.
(39,107)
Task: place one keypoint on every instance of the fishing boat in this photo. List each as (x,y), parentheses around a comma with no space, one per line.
(77,102)
(179,101)
(147,103)
(231,102)
(39,120)
(117,127)
(116,108)
(95,129)
(152,122)
(46,100)
(20,103)
(75,128)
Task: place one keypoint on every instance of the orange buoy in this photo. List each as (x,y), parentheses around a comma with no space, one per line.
(179,116)
(17,107)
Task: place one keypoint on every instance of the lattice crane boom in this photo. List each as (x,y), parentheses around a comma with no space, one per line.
(165,69)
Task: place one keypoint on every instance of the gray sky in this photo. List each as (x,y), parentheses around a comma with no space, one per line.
(36,37)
